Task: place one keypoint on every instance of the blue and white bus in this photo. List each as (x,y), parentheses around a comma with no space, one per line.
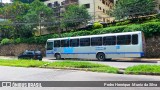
(101,47)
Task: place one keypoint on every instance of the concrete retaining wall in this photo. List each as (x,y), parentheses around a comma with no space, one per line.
(152,48)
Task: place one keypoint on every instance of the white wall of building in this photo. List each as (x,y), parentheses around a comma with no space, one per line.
(52,1)
(92,5)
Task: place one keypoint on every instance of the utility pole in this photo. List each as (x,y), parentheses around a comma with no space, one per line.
(41,14)
(40,24)
(94,10)
(57,10)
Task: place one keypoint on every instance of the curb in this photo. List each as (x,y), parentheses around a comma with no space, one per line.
(138,59)
(144,73)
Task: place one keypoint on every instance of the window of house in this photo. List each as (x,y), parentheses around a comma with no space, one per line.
(103,11)
(100,8)
(87,5)
(103,1)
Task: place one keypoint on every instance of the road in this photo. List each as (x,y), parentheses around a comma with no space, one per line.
(40,74)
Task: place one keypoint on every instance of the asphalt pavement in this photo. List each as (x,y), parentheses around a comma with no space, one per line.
(40,74)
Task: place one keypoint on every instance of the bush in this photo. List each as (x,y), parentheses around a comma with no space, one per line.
(158,16)
(123,22)
(18,40)
(150,29)
(143,69)
(5,41)
(97,25)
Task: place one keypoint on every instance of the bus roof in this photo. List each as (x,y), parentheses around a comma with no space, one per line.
(102,35)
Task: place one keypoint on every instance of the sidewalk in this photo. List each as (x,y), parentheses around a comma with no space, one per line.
(8,57)
(138,59)
(119,59)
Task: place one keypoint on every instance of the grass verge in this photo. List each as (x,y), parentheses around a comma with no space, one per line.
(22,63)
(87,66)
(78,65)
(144,69)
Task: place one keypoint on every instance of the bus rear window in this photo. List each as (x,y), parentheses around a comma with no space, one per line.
(49,45)
(134,39)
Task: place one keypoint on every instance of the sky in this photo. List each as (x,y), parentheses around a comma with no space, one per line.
(5,1)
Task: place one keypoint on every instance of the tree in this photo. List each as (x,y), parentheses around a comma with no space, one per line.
(38,14)
(14,13)
(74,16)
(29,1)
(6,30)
(133,8)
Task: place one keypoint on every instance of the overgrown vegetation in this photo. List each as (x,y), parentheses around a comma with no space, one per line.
(149,28)
(143,69)
(36,13)
(97,25)
(86,66)
(23,18)
(133,8)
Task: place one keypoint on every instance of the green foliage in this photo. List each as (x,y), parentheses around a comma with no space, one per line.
(84,66)
(5,41)
(150,29)
(38,13)
(22,63)
(123,22)
(87,66)
(74,16)
(133,8)
(143,69)
(14,13)
(18,40)
(97,25)
(158,16)
(28,15)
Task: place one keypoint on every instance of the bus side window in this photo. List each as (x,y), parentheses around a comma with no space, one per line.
(74,42)
(109,40)
(124,40)
(57,43)
(49,45)
(96,41)
(134,39)
(65,43)
(85,42)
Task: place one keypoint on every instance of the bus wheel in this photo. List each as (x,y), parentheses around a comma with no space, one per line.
(101,56)
(58,56)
